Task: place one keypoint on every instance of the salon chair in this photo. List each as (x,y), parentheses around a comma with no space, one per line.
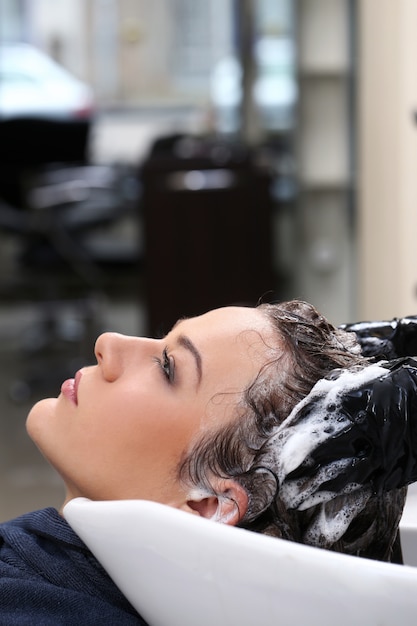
(53,201)
(177,569)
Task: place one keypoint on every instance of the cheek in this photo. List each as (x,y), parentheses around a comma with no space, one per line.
(143,425)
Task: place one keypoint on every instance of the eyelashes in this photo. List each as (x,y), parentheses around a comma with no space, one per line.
(167,365)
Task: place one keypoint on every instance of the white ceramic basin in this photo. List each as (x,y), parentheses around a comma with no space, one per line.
(178,569)
(408,528)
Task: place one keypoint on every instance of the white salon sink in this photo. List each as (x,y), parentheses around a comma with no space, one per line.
(181,570)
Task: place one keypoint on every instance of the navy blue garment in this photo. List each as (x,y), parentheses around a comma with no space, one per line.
(48,577)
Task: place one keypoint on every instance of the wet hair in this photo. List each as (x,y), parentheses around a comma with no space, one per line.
(307,348)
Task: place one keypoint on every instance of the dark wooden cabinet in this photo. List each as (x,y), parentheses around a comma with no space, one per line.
(207,232)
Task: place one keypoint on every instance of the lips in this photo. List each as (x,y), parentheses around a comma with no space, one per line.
(69,388)
(78,376)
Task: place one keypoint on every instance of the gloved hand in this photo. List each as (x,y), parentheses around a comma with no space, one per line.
(386,339)
(356,431)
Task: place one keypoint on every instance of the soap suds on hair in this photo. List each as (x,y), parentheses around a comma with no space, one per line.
(312,421)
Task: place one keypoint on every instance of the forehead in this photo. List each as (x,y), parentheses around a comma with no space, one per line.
(233,329)
(232,321)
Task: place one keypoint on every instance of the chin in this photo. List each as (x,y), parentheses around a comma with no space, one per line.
(39,412)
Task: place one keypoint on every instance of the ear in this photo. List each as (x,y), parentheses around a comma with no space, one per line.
(228,507)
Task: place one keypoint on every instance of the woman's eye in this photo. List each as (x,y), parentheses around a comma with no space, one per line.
(167,365)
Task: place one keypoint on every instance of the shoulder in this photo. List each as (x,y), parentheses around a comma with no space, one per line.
(48,576)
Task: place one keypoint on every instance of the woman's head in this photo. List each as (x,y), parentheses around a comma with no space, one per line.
(122,427)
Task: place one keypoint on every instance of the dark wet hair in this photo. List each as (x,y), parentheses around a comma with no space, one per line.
(307,348)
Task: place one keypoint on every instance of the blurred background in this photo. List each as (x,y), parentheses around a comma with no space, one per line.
(159,158)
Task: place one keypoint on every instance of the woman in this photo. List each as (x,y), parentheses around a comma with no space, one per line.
(181,420)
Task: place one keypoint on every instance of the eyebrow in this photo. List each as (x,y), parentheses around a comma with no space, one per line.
(186,343)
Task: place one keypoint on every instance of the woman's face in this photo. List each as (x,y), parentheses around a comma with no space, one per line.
(120,429)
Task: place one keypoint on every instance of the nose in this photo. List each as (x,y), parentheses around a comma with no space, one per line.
(108,351)
(115,352)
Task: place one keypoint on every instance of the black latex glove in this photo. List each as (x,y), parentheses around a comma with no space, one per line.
(339,440)
(386,339)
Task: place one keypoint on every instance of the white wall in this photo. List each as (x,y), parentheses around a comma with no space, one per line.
(387,158)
